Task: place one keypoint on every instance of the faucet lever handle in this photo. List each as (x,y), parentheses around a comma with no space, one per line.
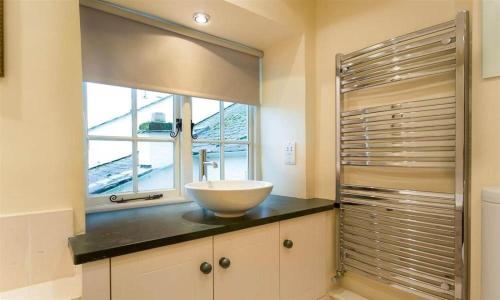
(213,164)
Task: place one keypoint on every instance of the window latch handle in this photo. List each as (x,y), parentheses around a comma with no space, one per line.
(194,136)
(178,128)
(114,198)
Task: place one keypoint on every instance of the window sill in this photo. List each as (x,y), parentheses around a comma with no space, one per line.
(133,204)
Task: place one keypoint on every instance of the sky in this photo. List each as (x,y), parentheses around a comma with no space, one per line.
(105,102)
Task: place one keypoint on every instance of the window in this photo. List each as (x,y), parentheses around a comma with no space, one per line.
(130,151)
(222,128)
(128,140)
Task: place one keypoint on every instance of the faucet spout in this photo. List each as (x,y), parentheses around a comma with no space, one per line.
(204,164)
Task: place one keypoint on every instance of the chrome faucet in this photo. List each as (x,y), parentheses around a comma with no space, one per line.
(204,163)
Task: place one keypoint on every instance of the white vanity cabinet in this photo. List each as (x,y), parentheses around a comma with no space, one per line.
(171,272)
(284,260)
(247,264)
(303,265)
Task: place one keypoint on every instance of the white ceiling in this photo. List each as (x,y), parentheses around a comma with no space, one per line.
(228,20)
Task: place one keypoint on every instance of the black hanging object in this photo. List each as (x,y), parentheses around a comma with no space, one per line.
(194,136)
(178,128)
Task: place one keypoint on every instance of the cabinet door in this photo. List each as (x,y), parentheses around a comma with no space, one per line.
(253,272)
(171,272)
(303,257)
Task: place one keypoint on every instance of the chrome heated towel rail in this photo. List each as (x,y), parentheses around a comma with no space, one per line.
(410,239)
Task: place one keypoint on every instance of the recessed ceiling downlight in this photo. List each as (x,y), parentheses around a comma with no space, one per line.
(201,18)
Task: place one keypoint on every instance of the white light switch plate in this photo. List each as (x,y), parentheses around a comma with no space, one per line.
(289,151)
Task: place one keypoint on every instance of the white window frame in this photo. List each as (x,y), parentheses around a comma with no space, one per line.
(102,201)
(182,154)
(222,141)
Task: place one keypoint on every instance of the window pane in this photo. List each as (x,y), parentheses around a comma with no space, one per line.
(235,161)
(206,118)
(235,121)
(156,165)
(108,110)
(213,154)
(110,167)
(155,114)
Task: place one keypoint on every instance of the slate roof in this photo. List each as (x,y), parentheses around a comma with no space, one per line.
(112,174)
(235,128)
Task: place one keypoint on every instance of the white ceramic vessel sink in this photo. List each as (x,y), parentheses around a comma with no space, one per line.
(229,198)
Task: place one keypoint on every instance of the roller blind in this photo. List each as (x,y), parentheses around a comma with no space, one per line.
(120,51)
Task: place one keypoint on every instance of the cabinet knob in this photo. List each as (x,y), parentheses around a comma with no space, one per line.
(224,262)
(205,268)
(287,244)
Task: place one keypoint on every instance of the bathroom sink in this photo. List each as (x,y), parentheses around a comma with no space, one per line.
(229,198)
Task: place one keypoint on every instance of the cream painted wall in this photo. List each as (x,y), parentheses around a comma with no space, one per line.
(288,99)
(291,14)
(282,116)
(41,127)
(343,26)
(485,144)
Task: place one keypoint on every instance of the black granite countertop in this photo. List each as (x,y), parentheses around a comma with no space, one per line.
(126,231)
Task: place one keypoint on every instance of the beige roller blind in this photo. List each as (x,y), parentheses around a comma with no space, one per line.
(120,51)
